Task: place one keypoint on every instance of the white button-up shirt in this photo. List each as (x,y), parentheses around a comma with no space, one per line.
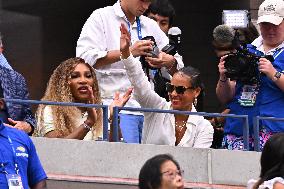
(101,34)
(159,128)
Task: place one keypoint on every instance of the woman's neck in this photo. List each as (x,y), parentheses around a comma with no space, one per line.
(181,118)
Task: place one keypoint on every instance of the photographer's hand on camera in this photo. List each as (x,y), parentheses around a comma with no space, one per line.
(222,69)
(225,89)
(164,60)
(265,66)
(141,48)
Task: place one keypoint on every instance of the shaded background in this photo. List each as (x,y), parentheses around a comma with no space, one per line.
(39,34)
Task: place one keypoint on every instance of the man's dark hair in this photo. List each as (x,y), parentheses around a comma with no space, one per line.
(163,8)
(150,173)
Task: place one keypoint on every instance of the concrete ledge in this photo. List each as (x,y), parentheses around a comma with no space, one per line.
(100,161)
(61,180)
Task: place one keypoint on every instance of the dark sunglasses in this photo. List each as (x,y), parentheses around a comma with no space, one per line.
(179,89)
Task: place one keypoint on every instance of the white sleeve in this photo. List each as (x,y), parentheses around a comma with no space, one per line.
(91,44)
(270,183)
(204,137)
(143,93)
(47,123)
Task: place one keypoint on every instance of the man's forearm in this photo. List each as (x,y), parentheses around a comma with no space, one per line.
(225,90)
(111,57)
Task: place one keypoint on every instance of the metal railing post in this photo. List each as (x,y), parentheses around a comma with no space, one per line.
(105,123)
(115,124)
(256,133)
(246,133)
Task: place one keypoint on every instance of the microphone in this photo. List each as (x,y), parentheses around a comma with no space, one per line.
(223,35)
(226,37)
(174,35)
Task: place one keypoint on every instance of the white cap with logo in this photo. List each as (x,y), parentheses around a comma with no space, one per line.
(271,11)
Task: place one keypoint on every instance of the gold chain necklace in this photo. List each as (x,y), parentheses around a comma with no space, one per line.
(179,127)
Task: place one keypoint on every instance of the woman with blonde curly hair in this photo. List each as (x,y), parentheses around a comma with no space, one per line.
(72,81)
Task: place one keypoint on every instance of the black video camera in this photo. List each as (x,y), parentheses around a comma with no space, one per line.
(243,66)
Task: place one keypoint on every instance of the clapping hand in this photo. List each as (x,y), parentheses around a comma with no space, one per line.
(92,113)
(124,42)
(120,101)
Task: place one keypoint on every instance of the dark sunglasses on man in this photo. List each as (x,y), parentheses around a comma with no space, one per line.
(179,89)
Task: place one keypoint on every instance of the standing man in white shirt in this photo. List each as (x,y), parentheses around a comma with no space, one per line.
(99,45)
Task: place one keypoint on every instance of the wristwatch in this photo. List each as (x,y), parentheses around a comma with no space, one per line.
(276,76)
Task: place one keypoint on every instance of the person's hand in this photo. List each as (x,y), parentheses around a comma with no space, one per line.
(266,67)
(92,113)
(164,60)
(120,101)
(124,42)
(141,48)
(222,69)
(21,125)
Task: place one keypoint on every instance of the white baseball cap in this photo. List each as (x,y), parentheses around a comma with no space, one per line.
(271,11)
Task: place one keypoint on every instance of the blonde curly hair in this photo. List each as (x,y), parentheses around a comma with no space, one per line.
(58,89)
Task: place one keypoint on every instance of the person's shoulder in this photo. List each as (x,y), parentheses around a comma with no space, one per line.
(275,183)
(11,73)
(103,10)
(202,123)
(6,70)
(18,135)
(278,185)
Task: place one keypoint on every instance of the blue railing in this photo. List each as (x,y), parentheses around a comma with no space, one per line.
(256,129)
(117,109)
(244,117)
(104,107)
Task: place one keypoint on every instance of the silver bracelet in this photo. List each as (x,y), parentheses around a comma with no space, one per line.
(87,127)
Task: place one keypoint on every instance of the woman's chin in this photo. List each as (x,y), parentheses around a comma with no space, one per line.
(176,107)
(82,99)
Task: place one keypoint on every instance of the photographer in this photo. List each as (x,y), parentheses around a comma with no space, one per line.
(264,97)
